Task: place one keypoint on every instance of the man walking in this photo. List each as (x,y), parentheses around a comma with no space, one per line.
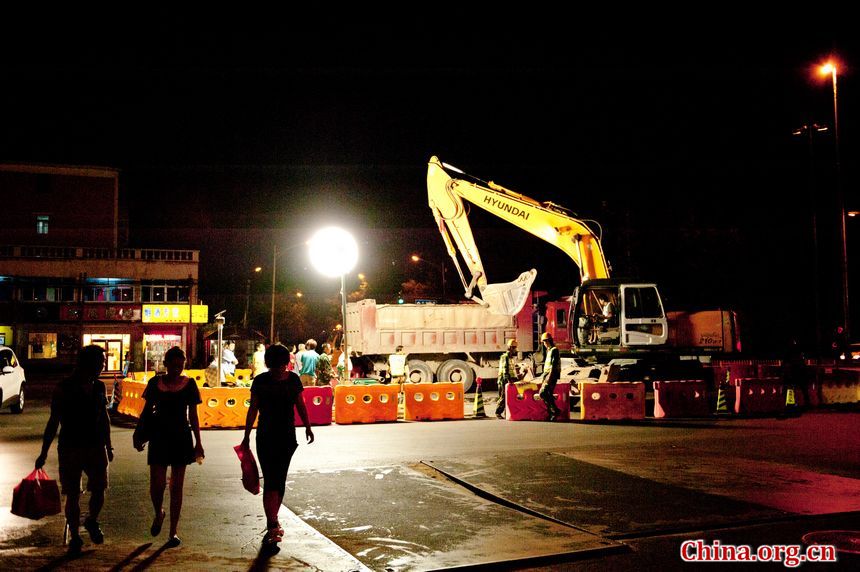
(551,373)
(308,363)
(507,374)
(79,408)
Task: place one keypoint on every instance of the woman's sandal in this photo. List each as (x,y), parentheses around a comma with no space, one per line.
(155,529)
(274,535)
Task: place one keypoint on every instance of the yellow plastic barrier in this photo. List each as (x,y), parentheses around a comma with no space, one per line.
(365,403)
(223,406)
(132,397)
(837,392)
(142,375)
(432,401)
(198,375)
(242,377)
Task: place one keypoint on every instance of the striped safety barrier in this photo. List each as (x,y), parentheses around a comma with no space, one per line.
(759,396)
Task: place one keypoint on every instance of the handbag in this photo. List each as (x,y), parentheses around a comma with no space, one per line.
(250,474)
(141,434)
(37,495)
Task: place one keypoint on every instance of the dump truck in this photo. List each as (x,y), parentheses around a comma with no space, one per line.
(444,342)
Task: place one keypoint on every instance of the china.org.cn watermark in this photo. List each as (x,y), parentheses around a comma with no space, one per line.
(791,555)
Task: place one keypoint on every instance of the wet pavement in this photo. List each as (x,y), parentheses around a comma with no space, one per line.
(478,493)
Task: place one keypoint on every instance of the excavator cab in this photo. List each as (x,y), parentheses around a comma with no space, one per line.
(607,314)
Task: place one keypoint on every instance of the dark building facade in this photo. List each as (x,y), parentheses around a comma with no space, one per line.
(64,282)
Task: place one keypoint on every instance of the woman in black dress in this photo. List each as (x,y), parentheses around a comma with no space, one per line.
(170,414)
(275,394)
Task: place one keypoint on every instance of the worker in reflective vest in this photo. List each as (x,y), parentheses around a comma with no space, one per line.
(551,373)
(507,374)
(397,368)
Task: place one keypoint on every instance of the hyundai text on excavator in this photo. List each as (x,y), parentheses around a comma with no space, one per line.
(605,318)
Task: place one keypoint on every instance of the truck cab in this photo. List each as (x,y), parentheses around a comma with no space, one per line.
(609,315)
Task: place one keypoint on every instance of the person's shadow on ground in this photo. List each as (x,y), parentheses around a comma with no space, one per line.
(261,562)
(66,558)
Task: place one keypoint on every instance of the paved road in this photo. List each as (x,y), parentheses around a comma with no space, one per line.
(420,496)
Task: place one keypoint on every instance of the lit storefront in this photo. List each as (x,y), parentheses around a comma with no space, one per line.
(168,325)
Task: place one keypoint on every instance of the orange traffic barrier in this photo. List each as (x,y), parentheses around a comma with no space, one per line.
(318,402)
(680,399)
(142,375)
(612,400)
(223,406)
(132,397)
(432,401)
(365,403)
(757,396)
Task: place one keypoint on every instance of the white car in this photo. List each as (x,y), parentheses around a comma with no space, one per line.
(12,381)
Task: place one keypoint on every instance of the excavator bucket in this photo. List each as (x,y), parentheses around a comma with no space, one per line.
(508,298)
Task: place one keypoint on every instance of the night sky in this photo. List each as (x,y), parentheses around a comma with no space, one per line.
(232,134)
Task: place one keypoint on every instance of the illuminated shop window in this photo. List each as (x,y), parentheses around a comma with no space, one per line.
(42,224)
(41,345)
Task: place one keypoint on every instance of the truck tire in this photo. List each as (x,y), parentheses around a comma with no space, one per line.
(419,372)
(456,370)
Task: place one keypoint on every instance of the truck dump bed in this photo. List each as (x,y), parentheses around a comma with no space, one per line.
(433,328)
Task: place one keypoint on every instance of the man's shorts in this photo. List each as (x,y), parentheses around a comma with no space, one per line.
(308,380)
(77,460)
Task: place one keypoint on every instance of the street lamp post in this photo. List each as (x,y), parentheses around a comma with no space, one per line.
(416,258)
(219,322)
(830,69)
(248,299)
(333,252)
(272,315)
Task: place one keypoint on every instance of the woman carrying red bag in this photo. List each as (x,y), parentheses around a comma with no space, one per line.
(275,394)
(170,415)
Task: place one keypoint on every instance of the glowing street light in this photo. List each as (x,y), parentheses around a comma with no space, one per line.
(334,252)
(830,69)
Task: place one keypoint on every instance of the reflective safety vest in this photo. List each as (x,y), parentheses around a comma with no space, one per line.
(397,365)
(552,365)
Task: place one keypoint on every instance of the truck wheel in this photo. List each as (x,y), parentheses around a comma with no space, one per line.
(419,372)
(456,371)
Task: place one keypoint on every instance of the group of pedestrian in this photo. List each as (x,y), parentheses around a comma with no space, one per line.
(169,425)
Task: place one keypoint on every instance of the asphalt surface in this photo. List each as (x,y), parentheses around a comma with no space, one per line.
(471,494)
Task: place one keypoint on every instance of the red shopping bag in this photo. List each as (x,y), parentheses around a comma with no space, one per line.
(250,474)
(36,496)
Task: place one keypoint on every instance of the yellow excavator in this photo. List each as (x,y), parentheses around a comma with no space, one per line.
(605,316)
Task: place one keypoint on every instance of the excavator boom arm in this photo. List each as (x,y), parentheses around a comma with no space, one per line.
(445,195)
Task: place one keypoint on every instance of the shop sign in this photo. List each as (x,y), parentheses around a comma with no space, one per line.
(175,314)
(101,312)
